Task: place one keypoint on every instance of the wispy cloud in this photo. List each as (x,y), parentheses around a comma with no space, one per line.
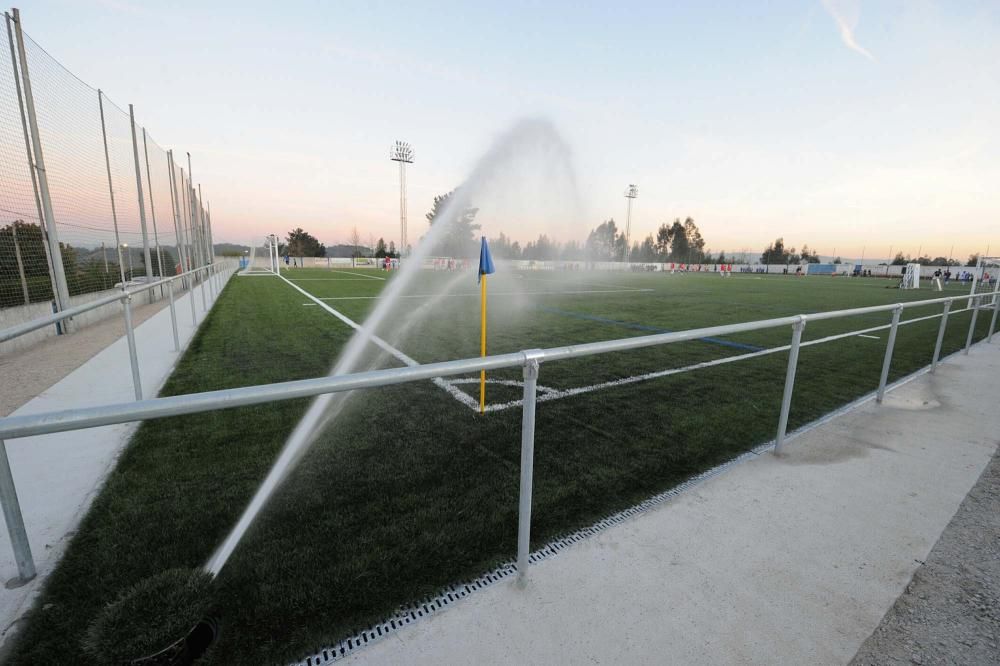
(847,19)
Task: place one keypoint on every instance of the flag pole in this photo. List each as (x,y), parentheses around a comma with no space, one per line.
(482,341)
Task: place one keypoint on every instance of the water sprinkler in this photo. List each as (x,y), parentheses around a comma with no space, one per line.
(402,152)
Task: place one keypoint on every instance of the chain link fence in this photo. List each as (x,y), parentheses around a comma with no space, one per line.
(89,201)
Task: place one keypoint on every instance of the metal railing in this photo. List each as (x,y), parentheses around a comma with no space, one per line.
(529,361)
(212,275)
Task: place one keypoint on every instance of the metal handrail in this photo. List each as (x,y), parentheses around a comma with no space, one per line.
(193,403)
(50,320)
(529,360)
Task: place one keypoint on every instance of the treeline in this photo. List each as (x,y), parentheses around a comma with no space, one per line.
(679,242)
(776,253)
(24,265)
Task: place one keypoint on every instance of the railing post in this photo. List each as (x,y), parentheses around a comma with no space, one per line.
(996,309)
(527,467)
(786,398)
(173,316)
(972,324)
(887,362)
(15,521)
(940,337)
(133,356)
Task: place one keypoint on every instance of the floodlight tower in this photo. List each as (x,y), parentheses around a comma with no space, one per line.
(402,152)
(631,193)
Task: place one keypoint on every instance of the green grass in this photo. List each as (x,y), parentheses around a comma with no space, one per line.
(409,490)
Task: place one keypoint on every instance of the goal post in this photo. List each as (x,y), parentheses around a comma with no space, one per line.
(911,277)
(262,257)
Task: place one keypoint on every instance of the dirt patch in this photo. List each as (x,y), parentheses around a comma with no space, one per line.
(27,373)
(950,611)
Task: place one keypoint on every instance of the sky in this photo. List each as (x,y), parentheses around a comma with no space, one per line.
(850,125)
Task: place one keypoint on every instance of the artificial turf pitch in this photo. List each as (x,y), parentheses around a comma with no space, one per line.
(410,490)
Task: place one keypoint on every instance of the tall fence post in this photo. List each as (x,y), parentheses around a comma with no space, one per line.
(59,290)
(972,324)
(527,466)
(786,398)
(194,317)
(15,521)
(204,301)
(173,316)
(940,337)
(132,354)
(887,362)
(142,203)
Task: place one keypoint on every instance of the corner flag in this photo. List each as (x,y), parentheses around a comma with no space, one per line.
(485,268)
(485,260)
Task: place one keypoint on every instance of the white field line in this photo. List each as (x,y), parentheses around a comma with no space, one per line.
(597,285)
(459,395)
(548,393)
(499,293)
(358,279)
(370,277)
(870,337)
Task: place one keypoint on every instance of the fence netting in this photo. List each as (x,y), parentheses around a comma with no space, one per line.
(106,178)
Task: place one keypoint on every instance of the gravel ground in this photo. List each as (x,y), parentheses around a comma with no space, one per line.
(28,372)
(950,611)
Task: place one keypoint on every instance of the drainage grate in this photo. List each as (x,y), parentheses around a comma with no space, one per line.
(431,605)
(453,593)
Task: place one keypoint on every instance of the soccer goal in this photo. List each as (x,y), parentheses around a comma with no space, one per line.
(263,257)
(984,279)
(911,277)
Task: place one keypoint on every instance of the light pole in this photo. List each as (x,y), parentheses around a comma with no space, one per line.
(402,152)
(631,193)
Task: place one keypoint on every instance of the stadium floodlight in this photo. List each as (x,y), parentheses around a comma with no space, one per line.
(631,193)
(402,152)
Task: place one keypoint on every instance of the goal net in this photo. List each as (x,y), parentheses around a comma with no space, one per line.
(262,257)
(911,277)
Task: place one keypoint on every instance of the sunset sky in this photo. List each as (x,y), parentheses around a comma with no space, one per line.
(844,125)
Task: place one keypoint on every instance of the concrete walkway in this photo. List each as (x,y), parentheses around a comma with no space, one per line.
(790,560)
(58,475)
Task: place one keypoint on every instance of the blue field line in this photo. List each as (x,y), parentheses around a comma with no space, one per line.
(651,329)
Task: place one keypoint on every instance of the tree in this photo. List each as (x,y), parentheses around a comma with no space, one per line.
(303,244)
(664,236)
(571,251)
(809,256)
(900,260)
(647,251)
(380,249)
(973,260)
(460,238)
(603,242)
(679,249)
(356,242)
(392,250)
(695,243)
(775,253)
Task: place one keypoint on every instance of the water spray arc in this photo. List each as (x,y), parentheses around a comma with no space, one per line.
(530,137)
(402,152)
(631,193)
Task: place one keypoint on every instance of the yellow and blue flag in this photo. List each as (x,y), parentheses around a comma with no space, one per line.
(485,261)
